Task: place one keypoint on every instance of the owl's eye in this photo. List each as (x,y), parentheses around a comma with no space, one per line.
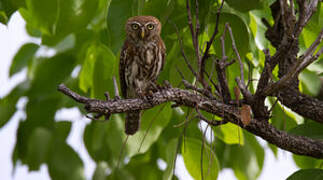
(134,26)
(150,26)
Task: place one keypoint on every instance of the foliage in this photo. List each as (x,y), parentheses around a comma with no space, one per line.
(89,34)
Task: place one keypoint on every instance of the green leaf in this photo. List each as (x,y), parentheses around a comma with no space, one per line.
(311,82)
(120,174)
(62,129)
(239,31)
(281,118)
(119,12)
(23,57)
(160,9)
(95,135)
(311,129)
(313,174)
(86,74)
(104,140)
(258,29)
(32,31)
(305,162)
(8,103)
(192,158)
(273,149)
(100,171)
(38,147)
(56,19)
(144,166)
(66,44)
(64,163)
(174,63)
(171,155)
(105,68)
(312,29)
(98,69)
(240,5)
(8,7)
(3,17)
(43,98)
(48,73)
(43,14)
(34,119)
(247,160)
(159,116)
(229,133)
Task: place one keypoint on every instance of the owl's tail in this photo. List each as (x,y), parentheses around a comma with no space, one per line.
(132,122)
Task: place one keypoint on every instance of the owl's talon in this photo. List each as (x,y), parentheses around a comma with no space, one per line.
(149,96)
(161,87)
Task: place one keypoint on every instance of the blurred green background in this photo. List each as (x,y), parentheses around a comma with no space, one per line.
(87,35)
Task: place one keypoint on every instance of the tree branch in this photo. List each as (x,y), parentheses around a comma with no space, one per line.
(287,46)
(295,144)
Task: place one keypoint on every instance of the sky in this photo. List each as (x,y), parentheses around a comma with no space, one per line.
(12,37)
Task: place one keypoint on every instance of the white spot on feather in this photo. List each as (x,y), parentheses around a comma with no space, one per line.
(149,56)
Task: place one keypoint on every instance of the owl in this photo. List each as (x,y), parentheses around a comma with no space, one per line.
(141,60)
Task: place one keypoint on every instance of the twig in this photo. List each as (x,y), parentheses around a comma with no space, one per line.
(245,92)
(190,23)
(237,53)
(273,105)
(200,90)
(116,90)
(73,95)
(183,52)
(266,73)
(291,3)
(210,122)
(305,13)
(107,96)
(314,45)
(214,84)
(121,151)
(197,31)
(208,46)
(283,11)
(212,71)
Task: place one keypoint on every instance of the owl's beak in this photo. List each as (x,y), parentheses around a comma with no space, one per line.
(142,33)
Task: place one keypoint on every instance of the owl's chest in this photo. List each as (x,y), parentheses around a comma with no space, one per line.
(145,55)
(143,66)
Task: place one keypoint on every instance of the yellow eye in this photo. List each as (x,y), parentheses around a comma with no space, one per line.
(134,26)
(150,26)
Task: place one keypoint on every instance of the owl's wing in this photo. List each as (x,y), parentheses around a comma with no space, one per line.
(163,51)
(122,68)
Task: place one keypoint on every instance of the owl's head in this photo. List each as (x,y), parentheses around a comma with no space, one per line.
(143,27)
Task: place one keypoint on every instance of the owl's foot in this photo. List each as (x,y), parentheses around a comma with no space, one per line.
(166,85)
(154,87)
(146,96)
